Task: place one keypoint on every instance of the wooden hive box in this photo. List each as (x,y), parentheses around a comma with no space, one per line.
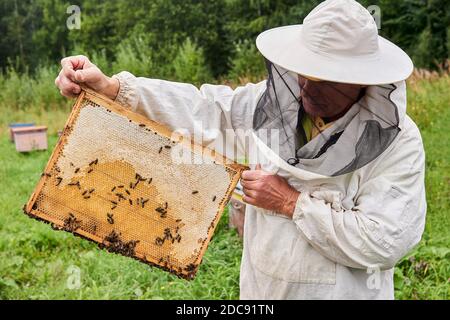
(17,125)
(30,138)
(111,180)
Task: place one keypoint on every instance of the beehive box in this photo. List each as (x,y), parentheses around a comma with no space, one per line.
(18,125)
(112,179)
(29,139)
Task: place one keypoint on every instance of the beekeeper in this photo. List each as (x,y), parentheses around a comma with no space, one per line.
(342,198)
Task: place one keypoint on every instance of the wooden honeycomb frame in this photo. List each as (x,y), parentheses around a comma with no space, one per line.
(76,193)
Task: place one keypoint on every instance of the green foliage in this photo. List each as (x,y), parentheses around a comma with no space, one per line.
(20,91)
(134,55)
(421,51)
(16,89)
(100,59)
(35,32)
(246,61)
(448,39)
(44,91)
(190,66)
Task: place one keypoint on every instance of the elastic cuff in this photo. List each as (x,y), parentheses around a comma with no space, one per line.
(272,213)
(299,215)
(127,95)
(298,212)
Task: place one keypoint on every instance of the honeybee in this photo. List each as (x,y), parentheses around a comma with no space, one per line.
(110,218)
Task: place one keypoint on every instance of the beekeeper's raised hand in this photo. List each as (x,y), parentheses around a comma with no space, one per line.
(269,191)
(78,70)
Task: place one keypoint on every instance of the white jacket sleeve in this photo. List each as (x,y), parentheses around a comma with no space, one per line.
(387,218)
(210,113)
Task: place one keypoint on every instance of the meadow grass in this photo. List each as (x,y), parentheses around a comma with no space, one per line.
(36,262)
(425,272)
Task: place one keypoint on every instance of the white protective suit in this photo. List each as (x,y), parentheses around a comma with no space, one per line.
(348,230)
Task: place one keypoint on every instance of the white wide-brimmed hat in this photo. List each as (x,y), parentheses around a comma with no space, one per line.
(339,42)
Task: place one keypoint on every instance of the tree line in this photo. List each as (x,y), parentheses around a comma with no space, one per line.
(191,39)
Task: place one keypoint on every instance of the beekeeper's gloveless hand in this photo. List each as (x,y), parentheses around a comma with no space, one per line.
(78,70)
(269,191)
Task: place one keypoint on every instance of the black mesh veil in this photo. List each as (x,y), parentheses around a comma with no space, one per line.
(353,141)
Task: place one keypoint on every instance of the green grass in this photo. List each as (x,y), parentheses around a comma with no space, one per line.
(35,260)
(425,273)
